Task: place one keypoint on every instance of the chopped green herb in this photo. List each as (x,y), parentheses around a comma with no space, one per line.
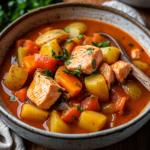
(28,85)
(38,75)
(68,62)
(109,49)
(12,98)
(10,58)
(57,32)
(89,49)
(77,84)
(98,44)
(80,109)
(94,63)
(60,90)
(70,40)
(76,72)
(48,73)
(57,66)
(59,52)
(71,56)
(26,100)
(3,79)
(79,67)
(58,73)
(48,78)
(66,29)
(90,53)
(131,45)
(105,44)
(124,80)
(142,50)
(80,36)
(93,74)
(93,96)
(65,52)
(75,118)
(63,43)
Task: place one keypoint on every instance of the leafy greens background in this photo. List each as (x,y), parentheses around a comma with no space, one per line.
(12,9)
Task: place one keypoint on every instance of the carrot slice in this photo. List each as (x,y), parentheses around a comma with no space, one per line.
(46,62)
(29,63)
(46,29)
(22,94)
(72,85)
(71,115)
(19,43)
(91,103)
(32,47)
(98,38)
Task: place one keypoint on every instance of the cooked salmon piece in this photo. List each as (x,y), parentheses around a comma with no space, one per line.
(121,70)
(87,58)
(136,53)
(44,91)
(108,74)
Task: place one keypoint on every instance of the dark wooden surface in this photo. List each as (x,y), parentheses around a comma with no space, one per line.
(138,141)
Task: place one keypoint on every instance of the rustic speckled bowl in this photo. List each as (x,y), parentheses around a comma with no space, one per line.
(65,11)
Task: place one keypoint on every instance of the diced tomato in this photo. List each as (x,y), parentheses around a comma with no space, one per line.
(32,47)
(71,115)
(29,63)
(46,62)
(19,43)
(22,94)
(91,103)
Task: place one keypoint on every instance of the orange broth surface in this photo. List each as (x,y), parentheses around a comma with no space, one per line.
(132,108)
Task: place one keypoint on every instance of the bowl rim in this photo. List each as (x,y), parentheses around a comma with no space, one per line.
(35,130)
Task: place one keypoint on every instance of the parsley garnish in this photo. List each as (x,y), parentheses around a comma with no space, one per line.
(76,72)
(60,90)
(89,49)
(75,118)
(10,58)
(105,44)
(57,32)
(66,29)
(80,36)
(48,73)
(3,79)
(98,44)
(90,53)
(26,100)
(48,78)
(93,96)
(12,98)
(57,66)
(93,74)
(65,52)
(77,84)
(94,63)
(80,109)
(79,67)
(70,40)
(63,43)
(131,45)
(68,62)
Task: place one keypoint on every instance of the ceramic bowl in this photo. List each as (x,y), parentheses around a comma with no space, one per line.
(67,11)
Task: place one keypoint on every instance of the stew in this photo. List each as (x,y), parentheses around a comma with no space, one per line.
(64,77)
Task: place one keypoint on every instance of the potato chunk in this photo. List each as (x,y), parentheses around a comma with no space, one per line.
(46,49)
(110,54)
(92,121)
(31,112)
(141,65)
(22,52)
(132,90)
(58,34)
(76,28)
(96,85)
(57,124)
(16,78)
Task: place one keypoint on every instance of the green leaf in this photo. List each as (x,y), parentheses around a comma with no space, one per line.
(80,109)
(98,44)
(93,74)
(57,66)
(131,45)
(60,90)
(94,63)
(66,29)
(65,52)
(12,98)
(90,53)
(75,118)
(80,36)
(79,67)
(70,40)
(105,44)
(68,62)
(89,49)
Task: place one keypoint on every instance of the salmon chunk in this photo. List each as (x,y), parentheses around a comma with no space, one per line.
(44,91)
(136,53)
(108,74)
(87,58)
(121,70)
